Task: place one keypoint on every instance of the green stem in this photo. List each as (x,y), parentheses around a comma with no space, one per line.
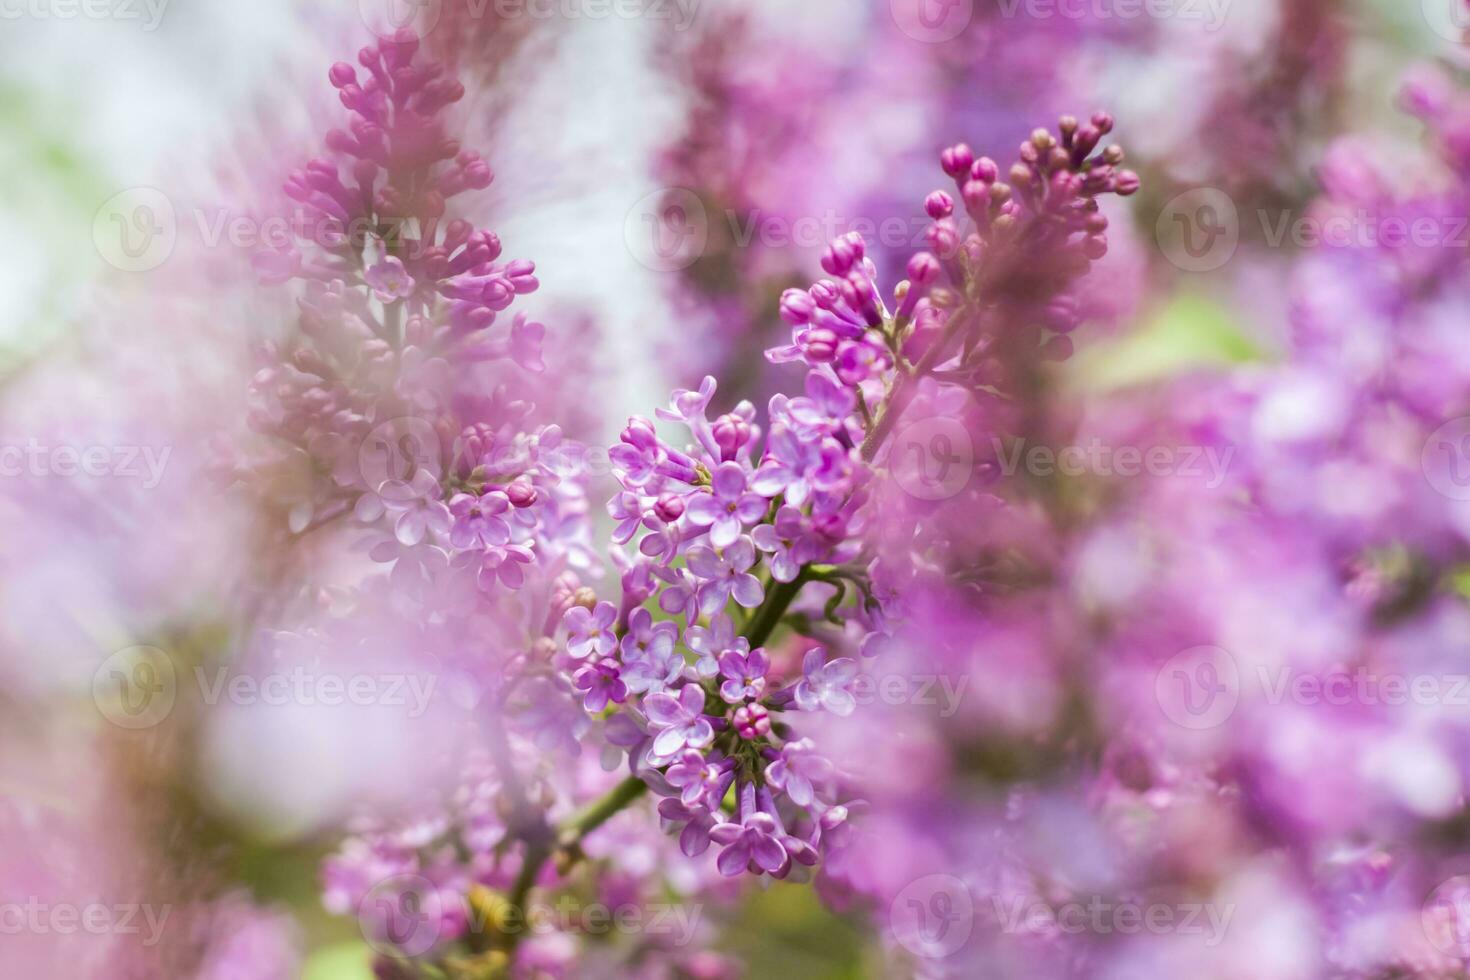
(568,838)
(763,623)
(599,811)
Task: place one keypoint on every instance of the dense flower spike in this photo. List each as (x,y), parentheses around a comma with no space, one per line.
(752,519)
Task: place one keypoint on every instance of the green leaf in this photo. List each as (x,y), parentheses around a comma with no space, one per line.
(1190,333)
(340,961)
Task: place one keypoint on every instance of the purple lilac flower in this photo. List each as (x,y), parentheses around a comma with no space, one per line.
(694,824)
(644,637)
(726,576)
(745,675)
(824,684)
(601,681)
(754,843)
(700,781)
(798,467)
(790,541)
(477,520)
(502,564)
(627,509)
(389,280)
(679,722)
(729,507)
(590,631)
(650,661)
(680,595)
(799,770)
(712,642)
(418,506)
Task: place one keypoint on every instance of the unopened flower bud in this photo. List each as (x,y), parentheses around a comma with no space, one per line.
(521,493)
(956,160)
(730,432)
(669,508)
(751,721)
(938,205)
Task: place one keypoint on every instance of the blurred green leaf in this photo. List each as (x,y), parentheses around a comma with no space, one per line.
(786,931)
(1189,333)
(343,961)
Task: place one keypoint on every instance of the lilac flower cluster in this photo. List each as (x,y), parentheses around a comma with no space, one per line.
(728,527)
(731,526)
(369,411)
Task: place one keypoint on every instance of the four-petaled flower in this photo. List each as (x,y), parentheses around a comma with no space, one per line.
(601,682)
(754,844)
(799,771)
(744,673)
(712,641)
(389,280)
(501,565)
(790,541)
(725,576)
(418,506)
(700,781)
(477,520)
(680,722)
(824,684)
(650,662)
(590,631)
(729,506)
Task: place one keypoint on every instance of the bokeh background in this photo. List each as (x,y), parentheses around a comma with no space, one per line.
(771,126)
